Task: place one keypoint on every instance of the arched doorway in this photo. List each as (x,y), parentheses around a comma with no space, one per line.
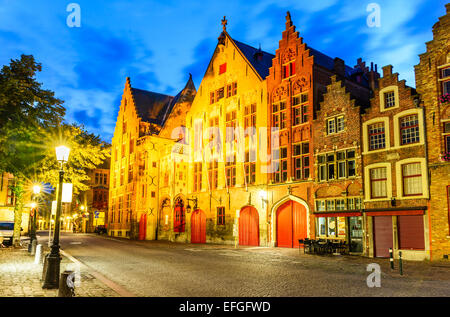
(249,226)
(198,227)
(292,224)
(179,216)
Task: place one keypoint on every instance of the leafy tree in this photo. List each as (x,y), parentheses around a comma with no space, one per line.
(26,109)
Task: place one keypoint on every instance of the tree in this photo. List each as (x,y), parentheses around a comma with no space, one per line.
(87,152)
(25,111)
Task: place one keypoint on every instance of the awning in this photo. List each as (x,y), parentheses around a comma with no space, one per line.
(338,214)
(395,213)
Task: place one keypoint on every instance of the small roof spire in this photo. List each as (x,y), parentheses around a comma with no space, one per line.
(224,23)
(288,20)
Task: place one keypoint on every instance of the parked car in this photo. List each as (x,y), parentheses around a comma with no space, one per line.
(100,229)
(6,232)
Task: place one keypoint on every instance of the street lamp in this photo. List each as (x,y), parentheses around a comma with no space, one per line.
(33,214)
(195,201)
(53,259)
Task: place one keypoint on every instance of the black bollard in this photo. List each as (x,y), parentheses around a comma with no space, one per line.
(400,262)
(66,284)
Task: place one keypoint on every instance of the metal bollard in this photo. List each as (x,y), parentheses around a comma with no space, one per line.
(400,262)
(391,258)
(33,247)
(38,255)
(66,284)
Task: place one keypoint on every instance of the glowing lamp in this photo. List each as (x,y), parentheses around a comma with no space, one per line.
(62,154)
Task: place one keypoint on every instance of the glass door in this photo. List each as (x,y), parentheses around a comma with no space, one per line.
(356,234)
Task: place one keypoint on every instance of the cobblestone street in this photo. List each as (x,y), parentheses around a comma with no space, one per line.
(21,277)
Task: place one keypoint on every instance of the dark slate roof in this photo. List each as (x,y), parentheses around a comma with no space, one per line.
(150,106)
(155,108)
(262,64)
(326,61)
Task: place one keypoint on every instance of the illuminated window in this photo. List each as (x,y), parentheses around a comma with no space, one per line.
(447,136)
(377,136)
(409,129)
(412,179)
(300,109)
(279,115)
(378,182)
(289,70)
(221,216)
(280,165)
(300,160)
(335,125)
(197,176)
(222,68)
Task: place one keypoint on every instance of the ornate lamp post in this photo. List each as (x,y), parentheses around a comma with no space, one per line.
(34,210)
(53,259)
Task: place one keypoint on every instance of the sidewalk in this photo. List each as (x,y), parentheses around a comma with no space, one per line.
(21,277)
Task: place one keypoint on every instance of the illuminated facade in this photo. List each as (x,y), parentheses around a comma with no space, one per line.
(271,149)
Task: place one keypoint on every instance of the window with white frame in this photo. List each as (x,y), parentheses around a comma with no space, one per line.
(377,136)
(447,136)
(389,99)
(412,179)
(335,125)
(378,182)
(409,129)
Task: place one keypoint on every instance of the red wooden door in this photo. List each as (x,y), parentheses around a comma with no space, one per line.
(249,227)
(291,224)
(382,236)
(198,227)
(143,227)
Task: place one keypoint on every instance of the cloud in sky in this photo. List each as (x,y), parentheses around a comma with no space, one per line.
(157,43)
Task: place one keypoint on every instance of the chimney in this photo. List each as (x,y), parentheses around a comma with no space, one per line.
(387,70)
(339,67)
(447,6)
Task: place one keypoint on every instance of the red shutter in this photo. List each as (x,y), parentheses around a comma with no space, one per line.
(411,233)
(222,68)
(382,236)
(292,68)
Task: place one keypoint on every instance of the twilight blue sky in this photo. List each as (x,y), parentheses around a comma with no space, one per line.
(157,43)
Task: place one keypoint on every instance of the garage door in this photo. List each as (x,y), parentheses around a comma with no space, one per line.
(411,233)
(249,227)
(291,224)
(198,227)
(382,236)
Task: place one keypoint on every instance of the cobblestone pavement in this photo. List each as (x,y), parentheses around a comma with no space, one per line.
(159,268)
(21,277)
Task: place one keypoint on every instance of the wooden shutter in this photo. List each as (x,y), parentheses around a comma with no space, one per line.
(382,236)
(411,233)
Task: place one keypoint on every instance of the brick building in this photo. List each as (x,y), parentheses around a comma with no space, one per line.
(274,148)
(395,170)
(433,83)
(338,193)
(296,83)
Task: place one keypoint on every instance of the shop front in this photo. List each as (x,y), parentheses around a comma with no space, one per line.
(344,225)
(402,230)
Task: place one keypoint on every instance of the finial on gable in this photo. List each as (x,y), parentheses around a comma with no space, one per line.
(288,20)
(224,23)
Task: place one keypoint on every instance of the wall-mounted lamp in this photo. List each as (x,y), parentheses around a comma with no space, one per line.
(165,203)
(195,201)
(393,202)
